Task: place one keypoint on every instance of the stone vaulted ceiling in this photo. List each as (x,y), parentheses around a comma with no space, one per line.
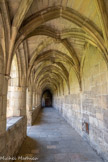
(49,37)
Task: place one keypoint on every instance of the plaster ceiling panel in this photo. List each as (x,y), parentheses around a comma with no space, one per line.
(95,17)
(42,4)
(33,9)
(78,45)
(33,43)
(71,3)
(48,62)
(57,46)
(37,42)
(36,6)
(39,5)
(92,14)
(13,6)
(82,6)
(64,3)
(55,3)
(86,8)
(60,24)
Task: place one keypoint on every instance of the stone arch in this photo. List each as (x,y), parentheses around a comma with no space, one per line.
(56,77)
(70,14)
(46,98)
(54,55)
(76,33)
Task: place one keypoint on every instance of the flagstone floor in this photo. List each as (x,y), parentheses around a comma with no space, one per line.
(52,139)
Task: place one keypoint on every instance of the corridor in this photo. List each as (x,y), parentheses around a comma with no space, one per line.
(52,139)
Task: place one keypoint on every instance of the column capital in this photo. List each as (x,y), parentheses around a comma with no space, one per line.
(7,76)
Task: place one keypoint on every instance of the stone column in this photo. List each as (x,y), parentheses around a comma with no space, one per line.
(3,102)
(29,105)
(29,100)
(34,99)
(19,101)
(16,101)
(38,99)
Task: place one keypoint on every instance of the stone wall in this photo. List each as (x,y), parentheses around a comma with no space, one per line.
(70,108)
(32,115)
(11,140)
(86,109)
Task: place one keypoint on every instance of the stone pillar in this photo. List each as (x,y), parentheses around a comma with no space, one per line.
(38,99)
(34,99)
(19,101)
(29,100)
(3,102)
(29,105)
(16,101)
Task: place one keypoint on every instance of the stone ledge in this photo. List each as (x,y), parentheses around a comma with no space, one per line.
(11,122)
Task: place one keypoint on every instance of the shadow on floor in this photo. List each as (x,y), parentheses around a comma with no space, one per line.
(51,139)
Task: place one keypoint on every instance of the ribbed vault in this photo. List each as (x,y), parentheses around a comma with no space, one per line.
(60,46)
(49,38)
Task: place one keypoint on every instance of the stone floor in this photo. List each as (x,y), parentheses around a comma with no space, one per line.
(51,139)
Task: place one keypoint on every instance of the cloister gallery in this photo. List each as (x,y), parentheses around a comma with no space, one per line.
(54,80)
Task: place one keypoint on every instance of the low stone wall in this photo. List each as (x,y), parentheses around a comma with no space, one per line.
(32,115)
(11,140)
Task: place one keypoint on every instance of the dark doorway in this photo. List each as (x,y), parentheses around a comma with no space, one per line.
(47,99)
